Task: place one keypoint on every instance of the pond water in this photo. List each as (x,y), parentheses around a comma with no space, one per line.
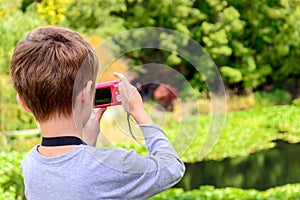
(261,170)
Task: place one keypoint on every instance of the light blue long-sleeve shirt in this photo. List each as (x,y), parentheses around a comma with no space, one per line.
(88,172)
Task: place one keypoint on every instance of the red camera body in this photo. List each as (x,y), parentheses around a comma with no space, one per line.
(107,94)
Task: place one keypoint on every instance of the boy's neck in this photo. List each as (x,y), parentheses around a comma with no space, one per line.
(59,126)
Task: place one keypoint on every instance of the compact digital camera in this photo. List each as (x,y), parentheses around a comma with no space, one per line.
(107,94)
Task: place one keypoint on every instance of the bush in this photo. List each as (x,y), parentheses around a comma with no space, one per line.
(13,27)
(287,192)
(275,97)
(12,116)
(296,102)
(11,179)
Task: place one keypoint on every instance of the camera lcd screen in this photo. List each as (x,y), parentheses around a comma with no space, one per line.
(103,96)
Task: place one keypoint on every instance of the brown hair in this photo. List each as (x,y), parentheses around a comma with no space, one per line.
(44,67)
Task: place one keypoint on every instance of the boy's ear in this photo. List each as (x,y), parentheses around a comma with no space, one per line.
(87,91)
(89,87)
(19,100)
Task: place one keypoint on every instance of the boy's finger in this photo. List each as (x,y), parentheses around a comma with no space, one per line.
(118,75)
(122,77)
(100,113)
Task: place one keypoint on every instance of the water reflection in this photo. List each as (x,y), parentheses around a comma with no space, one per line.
(262,170)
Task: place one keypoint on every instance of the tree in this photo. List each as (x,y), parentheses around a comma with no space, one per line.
(14,25)
(253,43)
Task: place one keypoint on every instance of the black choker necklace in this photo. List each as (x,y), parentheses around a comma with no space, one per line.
(61,141)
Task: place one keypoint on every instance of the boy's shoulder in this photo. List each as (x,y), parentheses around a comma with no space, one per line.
(83,153)
(35,156)
(109,155)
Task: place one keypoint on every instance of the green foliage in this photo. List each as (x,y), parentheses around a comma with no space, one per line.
(15,118)
(296,102)
(172,14)
(246,131)
(247,38)
(95,17)
(178,15)
(251,43)
(258,42)
(275,97)
(286,192)
(254,38)
(231,75)
(12,116)
(253,130)
(53,11)
(8,8)
(13,28)
(11,179)
(275,39)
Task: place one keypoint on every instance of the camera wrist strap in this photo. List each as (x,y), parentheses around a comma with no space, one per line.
(61,141)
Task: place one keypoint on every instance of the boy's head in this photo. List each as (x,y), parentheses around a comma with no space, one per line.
(44,67)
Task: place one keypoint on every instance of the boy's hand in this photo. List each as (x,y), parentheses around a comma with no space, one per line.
(92,128)
(132,101)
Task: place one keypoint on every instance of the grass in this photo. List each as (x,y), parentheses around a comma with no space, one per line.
(244,132)
(286,192)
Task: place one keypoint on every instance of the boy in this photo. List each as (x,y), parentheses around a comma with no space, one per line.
(53,71)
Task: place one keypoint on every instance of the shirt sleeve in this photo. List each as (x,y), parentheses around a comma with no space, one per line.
(160,170)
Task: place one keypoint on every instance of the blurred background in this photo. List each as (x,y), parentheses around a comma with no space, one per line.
(254,44)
